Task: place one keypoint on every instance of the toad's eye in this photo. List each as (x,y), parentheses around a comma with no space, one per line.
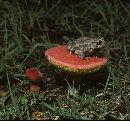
(99,42)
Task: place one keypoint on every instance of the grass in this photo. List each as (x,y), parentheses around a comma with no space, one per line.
(24,39)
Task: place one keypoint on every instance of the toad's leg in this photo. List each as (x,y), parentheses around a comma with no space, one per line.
(82,55)
(90,53)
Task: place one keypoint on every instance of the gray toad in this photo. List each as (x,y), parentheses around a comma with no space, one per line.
(85,46)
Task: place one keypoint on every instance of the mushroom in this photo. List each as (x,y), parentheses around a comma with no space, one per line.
(61,57)
(35,77)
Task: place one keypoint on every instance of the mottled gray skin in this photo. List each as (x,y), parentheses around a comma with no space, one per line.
(85,46)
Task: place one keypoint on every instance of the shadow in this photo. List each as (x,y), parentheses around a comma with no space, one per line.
(93,81)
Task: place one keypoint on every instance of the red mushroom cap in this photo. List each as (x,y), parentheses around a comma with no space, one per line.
(34,74)
(61,57)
